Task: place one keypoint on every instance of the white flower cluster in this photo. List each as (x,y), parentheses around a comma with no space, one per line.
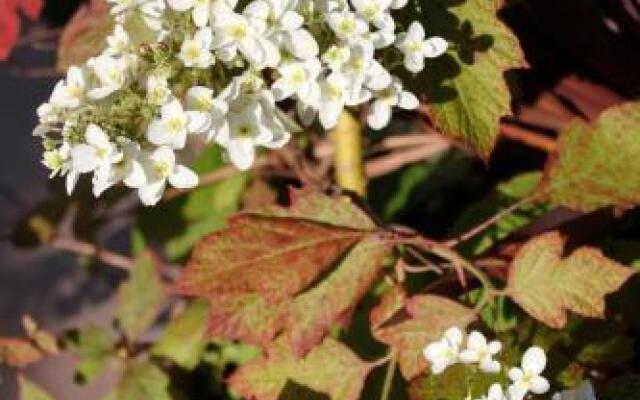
(524,379)
(203,68)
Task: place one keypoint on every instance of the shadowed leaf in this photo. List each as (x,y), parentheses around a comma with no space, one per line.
(31,391)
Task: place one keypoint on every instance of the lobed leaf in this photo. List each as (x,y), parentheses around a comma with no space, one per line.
(329,371)
(547,286)
(597,165)
(467,89)
(140,297)
(427,318)
(142,381)
(95,348)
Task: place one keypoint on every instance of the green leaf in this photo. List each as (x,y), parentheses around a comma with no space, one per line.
(329,371)
(140,297)
(239,258)
(95,348)
(183,340)
(142,381)
(457,382)
(546,285)
(312,313)
(426,319)
(626,387)
(595,164)
(504,195)
(466,88)
(31,391)
(18,353)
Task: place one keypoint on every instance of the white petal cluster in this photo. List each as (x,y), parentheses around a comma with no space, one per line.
(524,379)
(214,70)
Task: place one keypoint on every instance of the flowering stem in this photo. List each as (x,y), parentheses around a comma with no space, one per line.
(348,158)
(388,378)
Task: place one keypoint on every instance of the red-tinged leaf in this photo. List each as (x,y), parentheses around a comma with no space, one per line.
(276,257)
(247,317)
(428,318)
(19,353)
(31,8)
(9,27)
(330,370)
(311,205)
(390,304)
(315,311)
(547,286)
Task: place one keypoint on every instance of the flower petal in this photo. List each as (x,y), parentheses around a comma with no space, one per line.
(183,178)
(534,360)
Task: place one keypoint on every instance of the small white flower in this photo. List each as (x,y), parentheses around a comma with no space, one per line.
(335,57)
(160,167)
(481,352)
(527,378)
(57,159)
(174,124)
(129,170)
(235,32)
(118,42)
(158,92)
(110,73)
(333,98)
(68,93)
(416,48)
(200,9)
(375,12)
(196,51)
(347,26)
(151,11)
(299,79)
(380,110)
(213,111)
(444,353)
(495,393)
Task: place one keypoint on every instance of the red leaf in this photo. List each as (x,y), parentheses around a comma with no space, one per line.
(9,27)
(31,8)
(19,353)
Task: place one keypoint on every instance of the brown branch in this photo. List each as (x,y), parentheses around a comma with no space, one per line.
(385,164)
(90,250)
(528,137)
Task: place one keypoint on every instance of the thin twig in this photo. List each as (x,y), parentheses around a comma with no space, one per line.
(385,164)
(90,250)
(528,137)
(490,221)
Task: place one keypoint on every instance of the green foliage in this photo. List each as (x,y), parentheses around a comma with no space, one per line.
(457,382)
(547,286)
(595,163)
(95,349)
(31,391)
(467,88)
(142,380)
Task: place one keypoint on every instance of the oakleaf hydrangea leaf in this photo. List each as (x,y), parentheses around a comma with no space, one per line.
(467,90)
(547,286)
(140,297)
(142,381)
(427,318)
(329,371)
(597,165)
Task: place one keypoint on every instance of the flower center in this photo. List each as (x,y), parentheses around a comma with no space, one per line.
(162,168)
(238,31)
(175,125)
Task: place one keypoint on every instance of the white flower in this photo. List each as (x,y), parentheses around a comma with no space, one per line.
(57,159)
(69,93)
(416,48)
(252,123)
(118,42)
(527,378)
(200,9)
(129,170)
(110,73)
(196,51)
(376,12)
(495,393)
(299,79)
(283,26)
(481,352)
(347,26)
(98,154)
(213,111)
(444,353)
(151,11)
(158,92)
(379,113)
(335,57)
(333,97)
(363,71)
(397,4)
(235,32)
(174,124)
(160,167)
